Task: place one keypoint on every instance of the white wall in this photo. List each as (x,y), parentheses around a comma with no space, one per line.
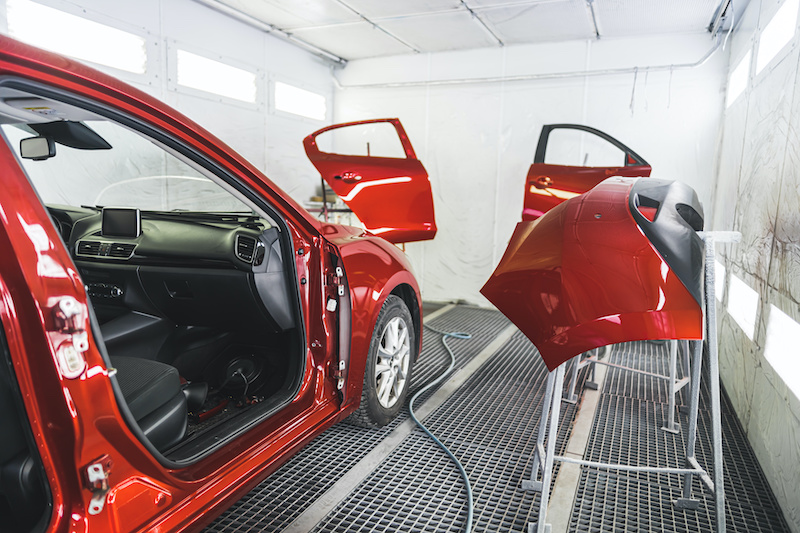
(758,194)
(271,140)
(477,140)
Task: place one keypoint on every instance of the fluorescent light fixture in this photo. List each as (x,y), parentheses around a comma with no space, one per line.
(298,101)
(743,305)
(781,348)
(75,36)
(777,34)
(719,280)
(214,77)
(737,83)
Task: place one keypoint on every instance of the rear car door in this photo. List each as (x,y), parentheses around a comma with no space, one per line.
(570,159)
(377,174)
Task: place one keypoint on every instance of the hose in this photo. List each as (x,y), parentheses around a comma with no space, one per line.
(468,487)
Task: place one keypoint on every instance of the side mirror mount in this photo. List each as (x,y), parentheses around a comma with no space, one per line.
(37,148)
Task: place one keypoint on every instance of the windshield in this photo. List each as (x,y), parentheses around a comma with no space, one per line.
(134,172)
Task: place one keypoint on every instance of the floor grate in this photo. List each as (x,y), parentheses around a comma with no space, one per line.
(626,430)
(490,424)
(282,497)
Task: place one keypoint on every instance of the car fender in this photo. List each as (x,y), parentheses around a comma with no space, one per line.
(375,269)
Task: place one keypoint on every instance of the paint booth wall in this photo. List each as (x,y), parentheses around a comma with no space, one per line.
(270,139)
(758,194)
(477,140)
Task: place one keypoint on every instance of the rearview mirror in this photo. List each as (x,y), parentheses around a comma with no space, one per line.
(37,148)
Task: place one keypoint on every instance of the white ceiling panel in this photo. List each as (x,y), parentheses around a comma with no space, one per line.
(353,29)
(376,10)
(622,18)
(442,31)
(294,14)
(540,22)
(353,41)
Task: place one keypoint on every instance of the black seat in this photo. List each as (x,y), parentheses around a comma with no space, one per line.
(155,399)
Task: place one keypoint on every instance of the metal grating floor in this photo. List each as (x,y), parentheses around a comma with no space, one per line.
(490,422)
(626,430)
(282,497)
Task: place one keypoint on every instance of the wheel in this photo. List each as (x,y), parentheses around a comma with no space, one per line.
(388,372)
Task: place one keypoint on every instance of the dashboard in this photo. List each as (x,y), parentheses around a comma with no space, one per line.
(183,269)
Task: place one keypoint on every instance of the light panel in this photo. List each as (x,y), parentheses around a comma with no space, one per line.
(738,80)
(781,347)
(743,305)
(204,74)
(298,101)
(777,33)
(75,36)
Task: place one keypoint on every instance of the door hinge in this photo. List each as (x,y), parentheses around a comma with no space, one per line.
(70,319)
(338,374)
(96,481)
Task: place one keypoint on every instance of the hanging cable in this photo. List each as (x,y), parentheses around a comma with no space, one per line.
(468,487)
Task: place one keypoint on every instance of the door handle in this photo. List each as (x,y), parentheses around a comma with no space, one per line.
(543,182)
(348,177)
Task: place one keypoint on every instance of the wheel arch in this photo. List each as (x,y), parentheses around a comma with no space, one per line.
(406,293)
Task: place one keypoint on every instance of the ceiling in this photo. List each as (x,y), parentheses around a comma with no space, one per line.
(355,29)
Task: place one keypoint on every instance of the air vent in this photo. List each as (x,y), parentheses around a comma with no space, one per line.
(114,250)
(88,248)
(123,251)
(245,248)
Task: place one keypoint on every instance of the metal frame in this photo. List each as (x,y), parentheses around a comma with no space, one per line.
(544,453)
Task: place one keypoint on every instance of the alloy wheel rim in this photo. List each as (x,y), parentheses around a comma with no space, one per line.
(391,368)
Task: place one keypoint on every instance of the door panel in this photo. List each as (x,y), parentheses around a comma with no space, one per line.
(390,195)
(547,184)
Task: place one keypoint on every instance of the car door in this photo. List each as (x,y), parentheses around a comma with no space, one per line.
(375,171)
(560,169)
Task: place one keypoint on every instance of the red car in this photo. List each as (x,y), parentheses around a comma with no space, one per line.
(580,158)
(174,326)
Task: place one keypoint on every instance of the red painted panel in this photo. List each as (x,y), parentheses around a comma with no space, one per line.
(548,185)
(584,276)
(391,196)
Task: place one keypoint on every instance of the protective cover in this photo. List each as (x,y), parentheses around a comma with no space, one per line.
(391,196)
(622,262)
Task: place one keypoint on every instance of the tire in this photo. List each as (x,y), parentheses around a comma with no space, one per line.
(389,362)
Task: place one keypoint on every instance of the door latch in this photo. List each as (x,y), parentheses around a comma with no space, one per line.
(96,481)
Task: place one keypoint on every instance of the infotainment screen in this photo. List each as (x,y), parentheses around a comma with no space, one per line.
(121,222)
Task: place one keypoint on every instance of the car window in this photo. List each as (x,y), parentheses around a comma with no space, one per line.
(134,172)
(377,139)
(577,148)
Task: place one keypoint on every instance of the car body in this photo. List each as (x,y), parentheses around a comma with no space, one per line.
(157,363)
(560,172)
(621,262)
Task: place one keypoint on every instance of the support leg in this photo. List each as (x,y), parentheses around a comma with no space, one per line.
(541,525)
(672,426)
(713,378)
(687,502)
(687,369)
(573,380)
(538,453)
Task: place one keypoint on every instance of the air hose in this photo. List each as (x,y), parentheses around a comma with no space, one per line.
(468,487)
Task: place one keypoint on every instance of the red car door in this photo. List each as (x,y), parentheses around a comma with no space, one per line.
(391,195)
(549,184)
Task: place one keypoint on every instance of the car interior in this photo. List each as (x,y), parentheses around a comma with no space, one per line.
(192,290)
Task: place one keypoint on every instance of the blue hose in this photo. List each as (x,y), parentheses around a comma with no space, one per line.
(445,335)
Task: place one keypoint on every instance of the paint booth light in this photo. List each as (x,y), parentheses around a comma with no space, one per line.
(75,36)
(737,83)
(781,348)
(743,305)
(298,101)
(204,74)
(719,280)
(777,33)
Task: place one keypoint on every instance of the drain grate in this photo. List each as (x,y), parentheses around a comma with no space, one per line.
(490,425)
(282,497)
(626,430)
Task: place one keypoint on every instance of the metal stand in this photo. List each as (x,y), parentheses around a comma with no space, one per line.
(544,453)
